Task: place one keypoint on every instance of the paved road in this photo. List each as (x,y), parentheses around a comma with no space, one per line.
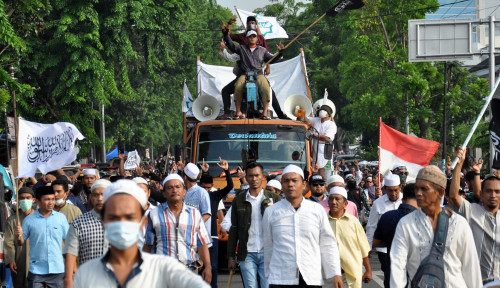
(377,282)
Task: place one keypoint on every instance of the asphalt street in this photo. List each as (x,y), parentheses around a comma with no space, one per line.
(377,282)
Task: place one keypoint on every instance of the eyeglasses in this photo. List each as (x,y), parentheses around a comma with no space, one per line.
(318,184)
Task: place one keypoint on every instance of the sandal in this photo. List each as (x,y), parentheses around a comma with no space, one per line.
(241,116)
(264,117)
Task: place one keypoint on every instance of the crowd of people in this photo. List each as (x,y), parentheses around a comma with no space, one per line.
(292,230)
(314,226)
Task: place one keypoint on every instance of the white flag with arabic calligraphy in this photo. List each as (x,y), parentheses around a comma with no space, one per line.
(46,147)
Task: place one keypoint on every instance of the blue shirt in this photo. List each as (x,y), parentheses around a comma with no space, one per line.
(46,235)
(198,198)
(76,201)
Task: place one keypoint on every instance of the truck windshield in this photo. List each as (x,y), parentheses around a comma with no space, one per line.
(273,148)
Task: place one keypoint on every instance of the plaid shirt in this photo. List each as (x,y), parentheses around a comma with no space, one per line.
(174,238)
(85,238)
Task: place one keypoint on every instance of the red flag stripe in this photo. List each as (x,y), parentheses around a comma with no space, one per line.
(409,148)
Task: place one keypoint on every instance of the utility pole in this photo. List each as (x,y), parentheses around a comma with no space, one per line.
(444,111)
(492,76)
(103,136)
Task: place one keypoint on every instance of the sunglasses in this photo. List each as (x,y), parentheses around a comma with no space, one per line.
(318,184)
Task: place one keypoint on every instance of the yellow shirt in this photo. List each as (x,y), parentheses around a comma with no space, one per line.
(70,211)
(353,246)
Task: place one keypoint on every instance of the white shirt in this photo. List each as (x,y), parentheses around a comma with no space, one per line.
(155,271)
(379,207)
(255,232)
(297,241)
(142,235)
(328,129)
(226,223)
(412,243)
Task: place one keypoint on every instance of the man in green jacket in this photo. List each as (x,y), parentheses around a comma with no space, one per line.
(246,229)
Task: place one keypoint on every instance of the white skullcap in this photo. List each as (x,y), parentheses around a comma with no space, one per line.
(348,175)
(90,171)
(140,180)
(274,183)
(293,169)
(173,176)
(338,190)
(334,179)
(126,187)
(392,180)
(191,171)
(101,183)
(278,178)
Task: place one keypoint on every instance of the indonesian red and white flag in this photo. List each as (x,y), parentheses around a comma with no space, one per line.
(397,148)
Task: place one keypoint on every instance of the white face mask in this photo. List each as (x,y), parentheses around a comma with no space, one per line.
(323,114)
(252,27)
(59,202)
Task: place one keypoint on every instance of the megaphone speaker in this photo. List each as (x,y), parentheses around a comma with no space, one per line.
(295,102)
(206,108)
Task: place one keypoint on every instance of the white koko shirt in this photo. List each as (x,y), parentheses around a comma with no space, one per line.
(379,207)
(297,241)
(412,243)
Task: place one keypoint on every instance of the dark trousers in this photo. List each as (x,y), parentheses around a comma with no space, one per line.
(229,89)
(302,284)
(214,260)
(48,280)
(385,263)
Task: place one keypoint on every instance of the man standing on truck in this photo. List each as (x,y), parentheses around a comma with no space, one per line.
(324,130)
(240,38)
(246,230)
(252,57)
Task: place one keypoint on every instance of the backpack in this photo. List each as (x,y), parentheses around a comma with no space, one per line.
(430,273)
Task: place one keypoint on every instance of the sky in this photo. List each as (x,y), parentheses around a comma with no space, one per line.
(248,5)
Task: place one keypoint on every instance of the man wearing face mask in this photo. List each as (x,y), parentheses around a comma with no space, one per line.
(61,192)
(124,265)
(401,171)
(16,256)
(46,229)
(324,130)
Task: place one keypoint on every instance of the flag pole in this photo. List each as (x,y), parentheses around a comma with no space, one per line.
(379,140)
(296,37)
(239,16)
(486,104)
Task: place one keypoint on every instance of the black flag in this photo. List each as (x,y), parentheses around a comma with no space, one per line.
(495,132)
(344,5)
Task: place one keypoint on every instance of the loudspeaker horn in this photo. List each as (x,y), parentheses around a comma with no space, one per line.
(206,108)
(319,103)
(295,102)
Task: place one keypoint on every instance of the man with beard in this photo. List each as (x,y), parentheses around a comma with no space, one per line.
(317,185)
(389,201)
(483,219)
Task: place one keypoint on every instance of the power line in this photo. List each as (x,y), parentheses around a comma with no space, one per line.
(461,12)
(494,10)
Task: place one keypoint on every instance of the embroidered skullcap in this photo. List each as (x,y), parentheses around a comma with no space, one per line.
(433,174)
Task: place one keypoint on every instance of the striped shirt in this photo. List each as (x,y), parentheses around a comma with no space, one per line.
(177,238)
(484,226)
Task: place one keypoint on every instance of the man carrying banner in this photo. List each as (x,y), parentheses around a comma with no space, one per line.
(252,57)
(16,256)
(46,230)
(483,219)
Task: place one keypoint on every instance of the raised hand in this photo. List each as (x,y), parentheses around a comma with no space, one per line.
(232,20)
(280,46)
(204,166)
(223,164)
(241,173)
(315,168)
(477,165)
(222,45)
(180,164)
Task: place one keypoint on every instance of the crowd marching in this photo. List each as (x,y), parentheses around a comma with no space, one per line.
(308,227)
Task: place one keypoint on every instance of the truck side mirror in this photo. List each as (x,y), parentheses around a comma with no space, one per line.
(328,152)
